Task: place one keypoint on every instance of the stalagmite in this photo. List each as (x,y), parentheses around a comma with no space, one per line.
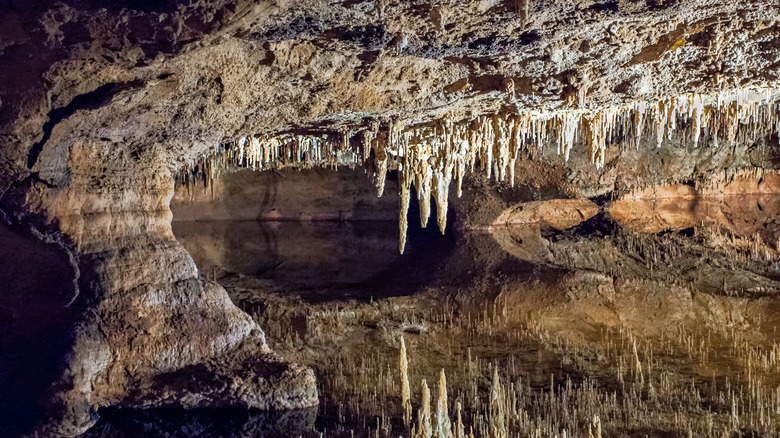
(638,367)
(496,406)
(597,426)
(424,413)
(460,430)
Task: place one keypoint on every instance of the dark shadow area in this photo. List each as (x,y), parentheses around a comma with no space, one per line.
(203,423)
(321,261)
(479,263)
(112,5)
(426,253)
(36,285)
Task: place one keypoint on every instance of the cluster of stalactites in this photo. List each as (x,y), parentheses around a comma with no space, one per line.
(737,116)
(271,152)
(430,155)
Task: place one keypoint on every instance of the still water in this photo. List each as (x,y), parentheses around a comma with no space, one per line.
(649,319)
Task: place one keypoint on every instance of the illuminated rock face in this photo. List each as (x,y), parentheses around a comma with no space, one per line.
(103,102)
(148,329)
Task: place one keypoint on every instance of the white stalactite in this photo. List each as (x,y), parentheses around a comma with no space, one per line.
(429,155)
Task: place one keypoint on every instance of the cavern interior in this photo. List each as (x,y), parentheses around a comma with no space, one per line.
(389,218)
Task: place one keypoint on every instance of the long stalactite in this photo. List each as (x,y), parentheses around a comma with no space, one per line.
(429,155)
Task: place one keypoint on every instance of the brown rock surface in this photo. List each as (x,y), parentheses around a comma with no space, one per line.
(555,213)
(148,330)
(298,195)
(101,102)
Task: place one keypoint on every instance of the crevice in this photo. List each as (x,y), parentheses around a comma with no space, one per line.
(92,100)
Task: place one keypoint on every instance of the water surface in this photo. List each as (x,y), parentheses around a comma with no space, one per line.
(650,319)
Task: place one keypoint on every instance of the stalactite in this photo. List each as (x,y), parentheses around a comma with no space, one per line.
(419,159)
(444,158)
(378,142)
(568,125)
(429,155)
(406,395)
(404,183)
(443,424)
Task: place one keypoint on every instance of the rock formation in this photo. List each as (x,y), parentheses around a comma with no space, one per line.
(149,330)
(103,105)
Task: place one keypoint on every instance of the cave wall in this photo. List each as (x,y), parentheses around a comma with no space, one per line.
(101,102)
(187,77)
(147,322)
(301,195)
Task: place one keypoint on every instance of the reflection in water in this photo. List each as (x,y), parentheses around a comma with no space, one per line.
(604,325)
(717,246)
(321,254)
(201,423)
(318,260)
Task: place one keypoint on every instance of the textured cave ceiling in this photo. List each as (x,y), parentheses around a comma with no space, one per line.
(175,79)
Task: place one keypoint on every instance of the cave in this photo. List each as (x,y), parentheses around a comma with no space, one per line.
(383,218)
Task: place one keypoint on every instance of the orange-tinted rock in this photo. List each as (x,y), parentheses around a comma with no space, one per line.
(555,213)
(145,319)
